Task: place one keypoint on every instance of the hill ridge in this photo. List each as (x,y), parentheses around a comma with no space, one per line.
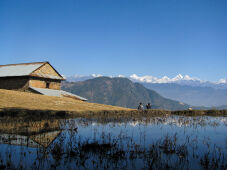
(120,91)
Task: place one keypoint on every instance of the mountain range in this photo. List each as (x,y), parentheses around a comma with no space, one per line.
(193,95)
(178,79)
(186,89)
(120,92)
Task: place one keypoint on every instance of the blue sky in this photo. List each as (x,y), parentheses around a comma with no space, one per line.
(111,37)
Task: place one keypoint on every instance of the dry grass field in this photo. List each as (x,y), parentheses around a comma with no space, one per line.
(30,101)
(23,104)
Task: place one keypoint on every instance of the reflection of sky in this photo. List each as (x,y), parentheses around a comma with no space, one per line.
(150,132)
(204,130)
(201,132)
(19,154)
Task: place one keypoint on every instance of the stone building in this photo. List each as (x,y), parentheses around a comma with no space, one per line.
(38,77)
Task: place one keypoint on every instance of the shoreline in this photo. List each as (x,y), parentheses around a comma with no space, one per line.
(29,113)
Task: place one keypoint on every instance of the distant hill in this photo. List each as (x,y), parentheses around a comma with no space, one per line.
(193,95)
(186,89)
(120,92)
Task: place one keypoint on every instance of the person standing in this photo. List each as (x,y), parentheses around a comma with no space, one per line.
(140,107)
(148,106)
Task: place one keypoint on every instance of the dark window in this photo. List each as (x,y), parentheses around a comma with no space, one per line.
(47,85)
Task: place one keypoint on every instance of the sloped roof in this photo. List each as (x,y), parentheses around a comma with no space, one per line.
(25,69)
(48,92)
(18,70)
(58,93)
(64,93)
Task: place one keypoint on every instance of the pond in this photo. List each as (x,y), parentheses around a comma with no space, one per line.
(167,142)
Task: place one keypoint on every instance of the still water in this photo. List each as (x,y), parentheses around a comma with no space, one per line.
(172,142)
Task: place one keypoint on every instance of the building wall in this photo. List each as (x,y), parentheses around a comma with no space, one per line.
(42,83)
(46,69)
(37,83)
(23,83)
(14,83)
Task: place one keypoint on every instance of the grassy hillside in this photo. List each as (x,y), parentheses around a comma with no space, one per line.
(120,92)
(30,101)
(19,105)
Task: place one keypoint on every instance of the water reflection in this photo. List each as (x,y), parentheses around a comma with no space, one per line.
(29,133)
(169,142)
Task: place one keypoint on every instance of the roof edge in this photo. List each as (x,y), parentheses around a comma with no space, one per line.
(44,62)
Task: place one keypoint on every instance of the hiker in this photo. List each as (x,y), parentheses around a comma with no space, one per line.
(148,106)
(140,107)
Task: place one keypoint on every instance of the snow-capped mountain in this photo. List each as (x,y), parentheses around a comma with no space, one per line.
(179,79)
(190,90)
(165,79)
(187,89)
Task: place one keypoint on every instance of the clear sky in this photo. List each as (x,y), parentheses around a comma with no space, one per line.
(111,37)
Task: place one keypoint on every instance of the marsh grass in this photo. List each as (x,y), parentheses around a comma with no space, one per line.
(114,152)
(102,155)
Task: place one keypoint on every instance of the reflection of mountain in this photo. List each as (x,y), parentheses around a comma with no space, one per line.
(172,120)
(29,133)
